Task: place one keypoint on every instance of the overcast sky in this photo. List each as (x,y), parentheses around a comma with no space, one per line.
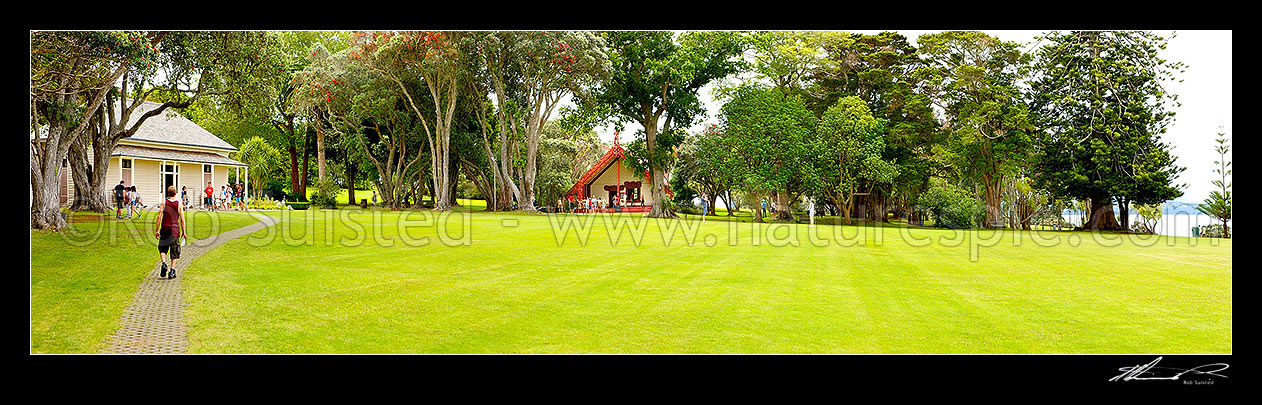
(1205,94)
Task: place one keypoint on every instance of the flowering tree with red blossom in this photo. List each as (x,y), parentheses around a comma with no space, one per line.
(370,112)
(526,74)
(434,59)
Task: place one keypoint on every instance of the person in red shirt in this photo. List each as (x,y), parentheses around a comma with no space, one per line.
(209,203)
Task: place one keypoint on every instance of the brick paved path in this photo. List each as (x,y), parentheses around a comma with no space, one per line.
(154,321)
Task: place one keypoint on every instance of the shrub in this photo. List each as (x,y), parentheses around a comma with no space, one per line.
(1213,231)
(1050,216)
(325,194)
(952,207)
(266,204)
(688,209)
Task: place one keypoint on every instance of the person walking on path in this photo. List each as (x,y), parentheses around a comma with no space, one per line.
(374,198)
(118,199)
(184,196)
(223,197)
(130,199)
(135,199)
(169,229)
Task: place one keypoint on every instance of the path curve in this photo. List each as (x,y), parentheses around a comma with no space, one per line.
(154,321)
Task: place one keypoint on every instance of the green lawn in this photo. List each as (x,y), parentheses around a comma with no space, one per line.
(322,284)
(82,282)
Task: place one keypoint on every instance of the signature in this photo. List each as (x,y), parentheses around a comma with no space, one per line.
(1150,371)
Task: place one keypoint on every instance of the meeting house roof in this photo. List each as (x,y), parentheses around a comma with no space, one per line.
(172,128)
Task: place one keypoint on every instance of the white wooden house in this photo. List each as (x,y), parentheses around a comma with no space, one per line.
(167,150)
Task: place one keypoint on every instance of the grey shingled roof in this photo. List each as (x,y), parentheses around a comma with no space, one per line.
(172,154)
(171,127)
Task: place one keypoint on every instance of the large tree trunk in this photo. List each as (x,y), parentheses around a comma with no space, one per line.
(306,160)
(294,186)
(991,199)
(1124,212)
(453,177)
(528,174)
(1102,217)
(783,210)
(657,173)
(350,182)
(45,190)
(712,198)
(91,194)
(727,201)
(659,209)
(1024,212)
(758,213)
(320,150)
(88,195)
(847,210)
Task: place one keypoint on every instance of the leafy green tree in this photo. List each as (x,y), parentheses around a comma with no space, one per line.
(263,158)
(851,142)
(1218,205)
(435,60)
(654,81)
(789,59)
(371,113)
(703,162)
(1100,101)
(975,77)
(887,72)
(952,206)
(769,137)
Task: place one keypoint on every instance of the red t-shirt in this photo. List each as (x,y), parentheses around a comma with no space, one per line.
(209,191)
(171,216)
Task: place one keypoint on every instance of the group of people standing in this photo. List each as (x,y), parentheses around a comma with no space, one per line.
(228,197)
(590,204)
(126,197)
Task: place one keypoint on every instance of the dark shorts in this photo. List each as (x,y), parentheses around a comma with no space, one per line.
(118,202)
(169,242)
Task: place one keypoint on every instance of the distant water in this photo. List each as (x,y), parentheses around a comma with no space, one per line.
(1170,224)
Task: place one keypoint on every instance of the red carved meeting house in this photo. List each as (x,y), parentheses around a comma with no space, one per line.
(611,177)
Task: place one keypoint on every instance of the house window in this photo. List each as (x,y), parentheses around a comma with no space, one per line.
(126,163)
(207,169)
